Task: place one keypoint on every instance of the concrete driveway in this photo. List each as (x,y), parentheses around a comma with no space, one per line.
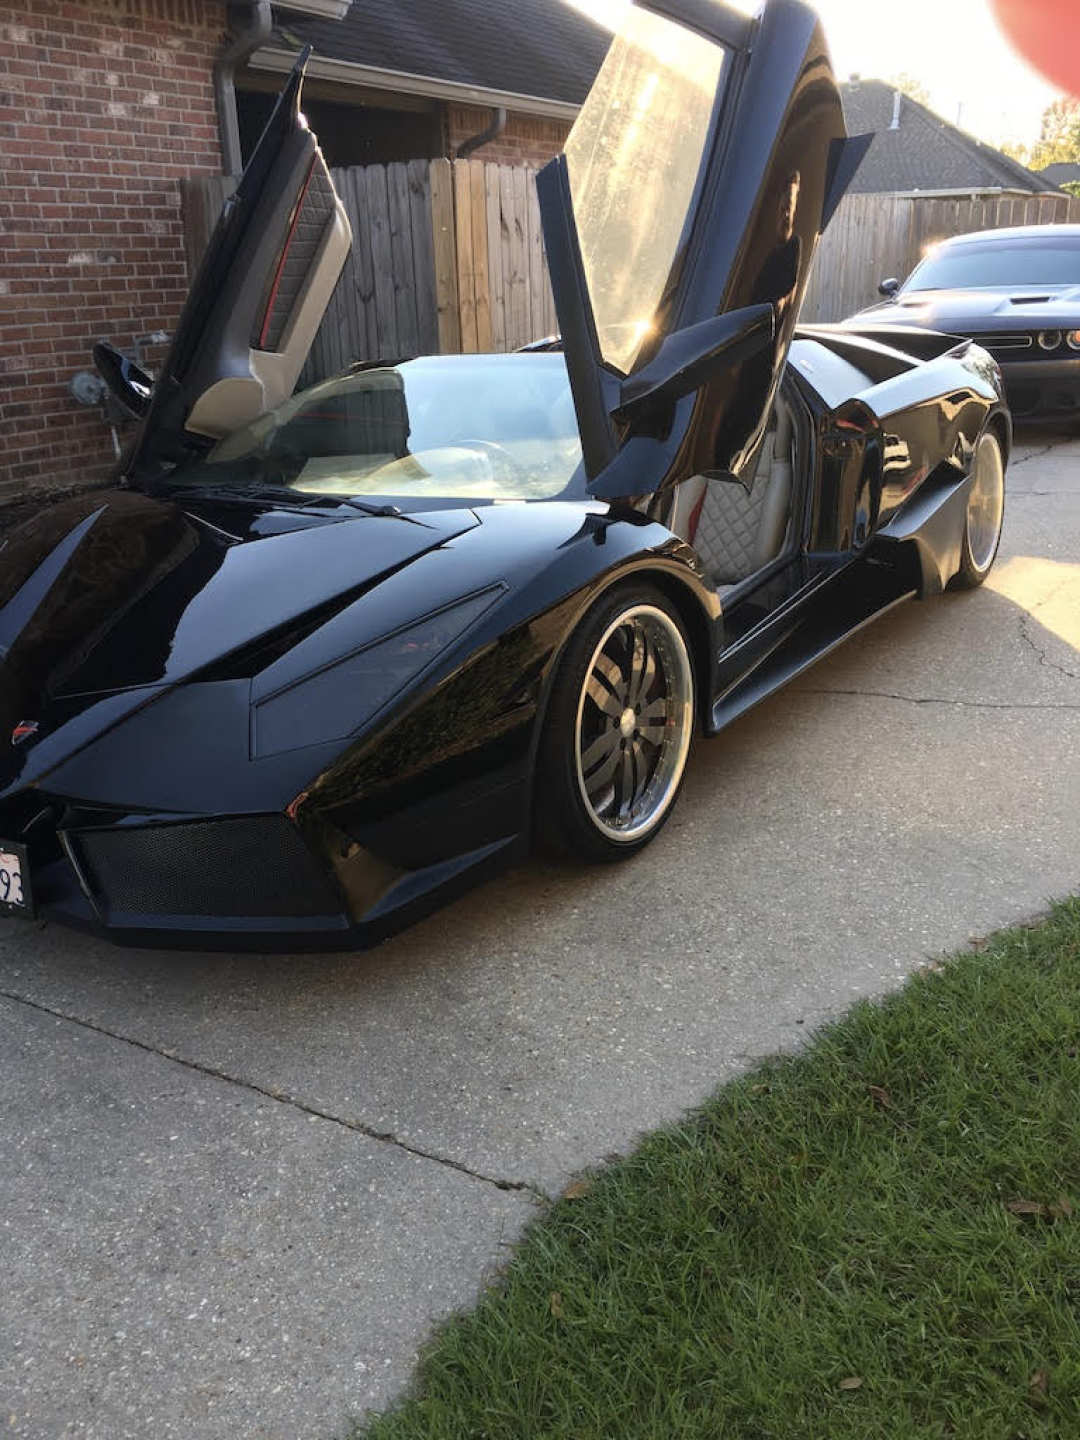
(236,1191)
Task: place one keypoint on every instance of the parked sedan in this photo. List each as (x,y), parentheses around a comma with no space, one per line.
(324,660)
(1017,292)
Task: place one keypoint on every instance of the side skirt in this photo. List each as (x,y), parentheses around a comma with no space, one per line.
(852,603)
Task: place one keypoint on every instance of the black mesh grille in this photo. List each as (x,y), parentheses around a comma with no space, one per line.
(316,209)
(244,867)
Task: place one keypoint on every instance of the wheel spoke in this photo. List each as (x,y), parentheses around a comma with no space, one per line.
(655,710)
(602,776)
(644,668)
(625,785)
(600,692)
(654,734)
(600,749)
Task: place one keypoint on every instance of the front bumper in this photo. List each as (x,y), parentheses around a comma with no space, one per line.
(250,882)
(1043,388)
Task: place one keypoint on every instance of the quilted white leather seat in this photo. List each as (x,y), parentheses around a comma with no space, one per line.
(738,531)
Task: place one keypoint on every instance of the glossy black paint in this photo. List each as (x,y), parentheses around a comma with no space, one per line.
(141,634)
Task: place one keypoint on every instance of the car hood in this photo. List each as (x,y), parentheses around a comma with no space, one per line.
(1026,307)
(109,599)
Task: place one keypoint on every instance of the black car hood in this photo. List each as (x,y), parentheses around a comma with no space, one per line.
(110,598)
(1024,307)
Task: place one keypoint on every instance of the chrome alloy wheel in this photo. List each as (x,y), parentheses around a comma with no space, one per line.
(634,724)
(986,503)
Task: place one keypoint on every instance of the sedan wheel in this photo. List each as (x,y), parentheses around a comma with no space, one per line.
(619,728)
(985,513)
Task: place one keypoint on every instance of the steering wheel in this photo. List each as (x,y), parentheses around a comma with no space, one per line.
(490,447)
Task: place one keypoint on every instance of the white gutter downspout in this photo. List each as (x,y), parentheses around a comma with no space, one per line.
(243,43)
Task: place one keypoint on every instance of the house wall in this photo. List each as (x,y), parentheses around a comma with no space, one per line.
(526,140)
(104,106)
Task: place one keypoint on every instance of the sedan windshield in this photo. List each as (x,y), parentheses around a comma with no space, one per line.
(999,264)
(470,427)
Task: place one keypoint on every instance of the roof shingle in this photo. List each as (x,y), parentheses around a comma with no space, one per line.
(924,152)
(543,48)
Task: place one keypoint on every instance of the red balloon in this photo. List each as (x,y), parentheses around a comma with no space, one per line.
(1047,35)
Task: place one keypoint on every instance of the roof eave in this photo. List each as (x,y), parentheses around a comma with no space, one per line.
(349,72)
(957,190)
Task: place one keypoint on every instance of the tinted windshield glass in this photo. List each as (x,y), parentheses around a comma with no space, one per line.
(633,158)
(1001,263)
(479,427)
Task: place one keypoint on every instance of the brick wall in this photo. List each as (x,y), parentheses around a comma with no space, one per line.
(103,107)
(526,140)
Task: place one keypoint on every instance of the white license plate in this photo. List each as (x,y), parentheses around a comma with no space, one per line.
(14,879)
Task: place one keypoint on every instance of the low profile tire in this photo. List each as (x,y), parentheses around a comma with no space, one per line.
(618,728)
(984,514)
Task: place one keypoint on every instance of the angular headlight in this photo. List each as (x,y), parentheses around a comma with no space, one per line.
(336,701)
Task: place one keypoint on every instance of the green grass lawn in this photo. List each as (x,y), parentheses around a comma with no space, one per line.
(875,1238)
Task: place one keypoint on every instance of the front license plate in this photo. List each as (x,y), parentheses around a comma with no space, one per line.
(15,896)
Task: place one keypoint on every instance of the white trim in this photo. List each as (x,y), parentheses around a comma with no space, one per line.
(960,192)
(348,72)
(325,9)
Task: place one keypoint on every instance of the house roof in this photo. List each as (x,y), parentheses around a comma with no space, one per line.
(542,48)
(1061,172)
(924,152)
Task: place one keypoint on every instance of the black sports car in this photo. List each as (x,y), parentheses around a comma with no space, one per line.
(1017,293)
(322,662)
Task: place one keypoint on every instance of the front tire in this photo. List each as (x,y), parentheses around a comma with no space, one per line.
(618,729)
(984,515)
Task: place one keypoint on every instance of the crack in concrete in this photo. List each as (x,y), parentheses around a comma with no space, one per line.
(1035,455)
(1028,494)
(1044,658)
(941,700)
(281,1097)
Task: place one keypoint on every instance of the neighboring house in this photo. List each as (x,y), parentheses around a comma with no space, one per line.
(402,79)
(105,105)
(914,150)
(1062,172)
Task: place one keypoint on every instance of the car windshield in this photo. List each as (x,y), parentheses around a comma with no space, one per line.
(998,264)
(633,159)
(470,427)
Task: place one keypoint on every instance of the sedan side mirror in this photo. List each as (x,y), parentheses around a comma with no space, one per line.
(687,358)
(128,382)
(889,287)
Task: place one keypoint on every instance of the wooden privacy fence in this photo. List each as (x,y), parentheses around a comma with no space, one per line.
(448,255)
(874,236)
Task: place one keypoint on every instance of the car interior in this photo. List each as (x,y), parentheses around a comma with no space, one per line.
(738,529)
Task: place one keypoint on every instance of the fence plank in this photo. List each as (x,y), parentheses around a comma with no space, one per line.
(514,279)
(427,315)
(363,293)
(382,263)
(445,252)
(401,260)
(536,263)
(481,268)
(465,268)
(496,235)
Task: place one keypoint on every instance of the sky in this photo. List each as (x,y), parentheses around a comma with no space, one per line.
(954,47)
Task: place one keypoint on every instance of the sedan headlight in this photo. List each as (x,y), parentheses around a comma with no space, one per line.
(1049,339)
(336,701)
(1072,339)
